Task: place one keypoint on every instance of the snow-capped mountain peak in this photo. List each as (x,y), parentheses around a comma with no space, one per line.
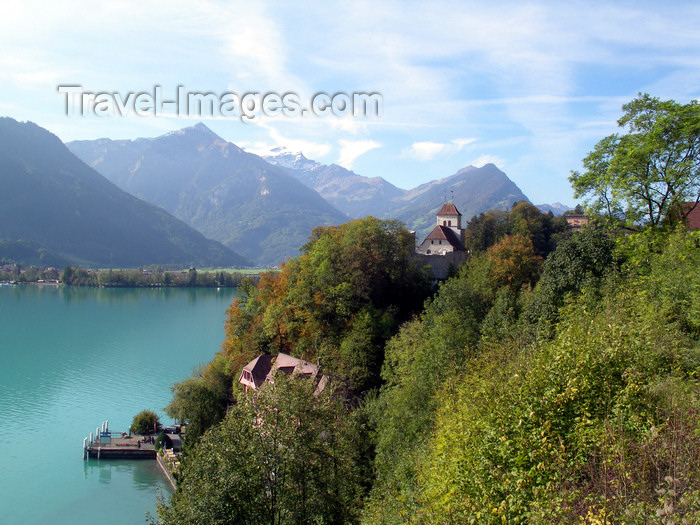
(281,156)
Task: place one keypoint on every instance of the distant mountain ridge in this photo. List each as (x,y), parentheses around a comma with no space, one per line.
(474,190)
(265,207)
(56,207)
(557,208)
(228,194)
(353,194)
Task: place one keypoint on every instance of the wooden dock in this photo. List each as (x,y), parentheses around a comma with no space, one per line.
(127,447)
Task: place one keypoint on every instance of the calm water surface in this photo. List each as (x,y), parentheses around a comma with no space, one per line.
(71,358)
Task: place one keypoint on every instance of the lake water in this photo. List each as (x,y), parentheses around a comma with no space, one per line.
(71,358)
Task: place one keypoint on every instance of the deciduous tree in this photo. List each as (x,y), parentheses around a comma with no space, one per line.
(639,176)
(282,456)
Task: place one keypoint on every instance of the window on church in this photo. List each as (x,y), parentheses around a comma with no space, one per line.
(444,223)
(449,223)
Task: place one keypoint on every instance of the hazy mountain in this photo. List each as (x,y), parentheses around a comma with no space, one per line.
(474,190)
(235,197)
(55,206)
(557,208)
(31,253)
(353,194)
(265,209)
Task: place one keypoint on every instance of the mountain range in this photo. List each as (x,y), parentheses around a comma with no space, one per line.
(198,187)
(354,195)
(55,210)
(169,199)
(557,208)
(473,190)
(228,194)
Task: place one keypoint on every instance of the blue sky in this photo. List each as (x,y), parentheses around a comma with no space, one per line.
(529,86)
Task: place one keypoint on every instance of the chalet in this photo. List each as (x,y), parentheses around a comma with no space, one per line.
(443,248)
(263,369)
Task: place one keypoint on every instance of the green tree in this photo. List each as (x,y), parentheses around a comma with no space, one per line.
(597,425)
(354,282)
(426,353)
(543,229)
(67,274)
(485,230)
(192,277)
(639,176)
(282,456)
(197,403)
(144,422)
(584,260)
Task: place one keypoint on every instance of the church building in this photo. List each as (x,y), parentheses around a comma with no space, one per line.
(443,248)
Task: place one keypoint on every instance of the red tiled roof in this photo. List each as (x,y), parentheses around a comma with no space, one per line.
(258,368)
(263,368)
(448,209)
(445,233)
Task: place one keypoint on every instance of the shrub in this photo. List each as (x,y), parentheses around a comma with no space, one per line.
(144,422)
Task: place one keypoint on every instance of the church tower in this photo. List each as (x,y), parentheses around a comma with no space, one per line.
(443,249)
(450,217)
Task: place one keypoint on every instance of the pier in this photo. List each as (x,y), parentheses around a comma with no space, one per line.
(104,444)
(128,447)
(117,445)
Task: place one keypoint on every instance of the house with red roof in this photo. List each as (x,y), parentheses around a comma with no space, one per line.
(263,369)
(443,249)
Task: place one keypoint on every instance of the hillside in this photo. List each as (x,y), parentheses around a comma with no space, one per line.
(214,186)
(53,204)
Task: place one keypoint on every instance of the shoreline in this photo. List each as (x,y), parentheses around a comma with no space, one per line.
(165,470)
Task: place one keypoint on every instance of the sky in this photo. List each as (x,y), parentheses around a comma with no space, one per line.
(528,86)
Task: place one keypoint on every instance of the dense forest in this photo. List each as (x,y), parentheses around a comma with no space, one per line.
(553,379)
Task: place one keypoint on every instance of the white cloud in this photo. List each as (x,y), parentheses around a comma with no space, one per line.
(425,150)
(351,149)
(429,150)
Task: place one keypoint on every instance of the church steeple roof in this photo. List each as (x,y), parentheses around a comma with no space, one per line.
(449,209)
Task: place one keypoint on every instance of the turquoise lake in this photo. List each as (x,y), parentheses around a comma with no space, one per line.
(71,358)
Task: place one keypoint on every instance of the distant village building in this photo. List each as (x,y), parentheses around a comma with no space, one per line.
(263,369)
(443,249)
(577,220)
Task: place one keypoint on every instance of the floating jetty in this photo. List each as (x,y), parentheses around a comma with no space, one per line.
(116,445)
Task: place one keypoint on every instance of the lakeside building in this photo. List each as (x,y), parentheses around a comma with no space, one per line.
(263,369)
